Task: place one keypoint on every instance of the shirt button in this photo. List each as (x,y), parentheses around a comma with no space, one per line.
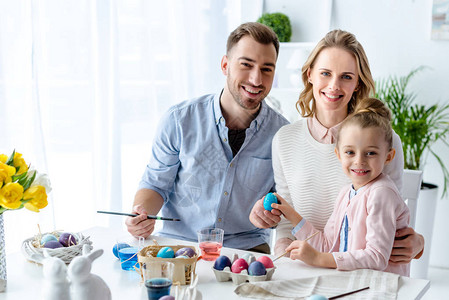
(231,164)
(225,193)
(349,228)
(219,219)
(225,140)
(340,257)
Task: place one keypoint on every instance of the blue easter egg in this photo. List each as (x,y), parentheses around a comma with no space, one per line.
(316,297)
(48,237)
(269,199)
(257,268)
(166,252)
(222,262)
(119,246)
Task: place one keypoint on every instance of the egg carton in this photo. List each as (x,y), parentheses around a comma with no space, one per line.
(243,276)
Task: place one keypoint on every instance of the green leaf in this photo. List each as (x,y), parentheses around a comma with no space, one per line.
(10,160)
(28,183)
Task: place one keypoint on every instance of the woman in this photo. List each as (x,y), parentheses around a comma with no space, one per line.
(307,172)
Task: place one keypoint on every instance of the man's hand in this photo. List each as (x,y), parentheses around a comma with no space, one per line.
(407,245)
(262,218)
(140,225)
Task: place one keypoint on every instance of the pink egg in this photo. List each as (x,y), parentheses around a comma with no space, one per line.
(267,262)
(239,265)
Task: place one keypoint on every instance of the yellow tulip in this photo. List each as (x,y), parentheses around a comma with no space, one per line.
(20,163)
(10,195)
(5,173)
(37,196)
(3,158)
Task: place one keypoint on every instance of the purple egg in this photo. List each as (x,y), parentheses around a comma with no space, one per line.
(167,297)
(67,239)
(239,265)
(257,268)
(186,251)
(53,244)
(222,262)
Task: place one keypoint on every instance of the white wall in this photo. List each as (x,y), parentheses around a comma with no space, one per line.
(396,36)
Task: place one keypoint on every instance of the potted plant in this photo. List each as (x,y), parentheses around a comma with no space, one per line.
(419,126)
(280,23)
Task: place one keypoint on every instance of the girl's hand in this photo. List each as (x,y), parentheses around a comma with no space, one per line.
(287,210)
(303,251)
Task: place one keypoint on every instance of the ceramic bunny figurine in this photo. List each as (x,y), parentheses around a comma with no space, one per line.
(84,285)
(56,286)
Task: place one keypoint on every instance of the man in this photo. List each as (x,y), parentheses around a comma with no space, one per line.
(211,157)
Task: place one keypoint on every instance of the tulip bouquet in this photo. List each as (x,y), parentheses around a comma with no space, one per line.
(20,185)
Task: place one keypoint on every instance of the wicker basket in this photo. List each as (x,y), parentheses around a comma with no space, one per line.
(184,267)
(32,246)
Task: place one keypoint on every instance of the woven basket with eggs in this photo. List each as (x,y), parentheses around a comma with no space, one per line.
(72,245)
(184,266)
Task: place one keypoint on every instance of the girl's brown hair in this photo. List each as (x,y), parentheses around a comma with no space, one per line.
(371,112)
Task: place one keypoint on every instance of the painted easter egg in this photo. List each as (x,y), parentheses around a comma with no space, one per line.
(67,239)
(53,244)
(239,265)
(256,268)
(222,262)
(167,297)
(186,251)
(316,297)
(267,262)
(117,248)
(166,252)
(182,256)
(48,237)
(269,199)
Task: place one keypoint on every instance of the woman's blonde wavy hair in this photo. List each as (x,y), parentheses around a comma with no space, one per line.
(346,41)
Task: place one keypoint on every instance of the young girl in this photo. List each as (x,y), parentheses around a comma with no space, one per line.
(361,230)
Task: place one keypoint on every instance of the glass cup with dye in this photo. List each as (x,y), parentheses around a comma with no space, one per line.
(128,255)
(158,277)
(210,242)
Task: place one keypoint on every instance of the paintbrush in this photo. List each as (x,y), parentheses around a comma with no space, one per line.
(283,254)
(135,215)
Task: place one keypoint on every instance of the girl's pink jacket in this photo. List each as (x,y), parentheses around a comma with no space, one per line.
(374,215)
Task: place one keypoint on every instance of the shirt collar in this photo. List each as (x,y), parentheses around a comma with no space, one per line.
(256,123)
(320,133)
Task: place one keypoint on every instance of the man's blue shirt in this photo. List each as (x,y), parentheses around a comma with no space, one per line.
(193,169)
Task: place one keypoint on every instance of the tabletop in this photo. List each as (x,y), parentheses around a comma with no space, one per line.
(25,278)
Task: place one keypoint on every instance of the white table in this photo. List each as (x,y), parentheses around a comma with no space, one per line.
(25,278)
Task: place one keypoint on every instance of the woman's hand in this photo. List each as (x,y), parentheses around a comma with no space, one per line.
(262,218)
(408,244)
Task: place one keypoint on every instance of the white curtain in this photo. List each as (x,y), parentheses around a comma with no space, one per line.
(82,87)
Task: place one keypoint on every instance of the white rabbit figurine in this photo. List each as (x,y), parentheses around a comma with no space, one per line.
(84,285)
(56,286)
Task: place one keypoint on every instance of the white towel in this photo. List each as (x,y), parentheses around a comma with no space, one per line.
(382,285)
